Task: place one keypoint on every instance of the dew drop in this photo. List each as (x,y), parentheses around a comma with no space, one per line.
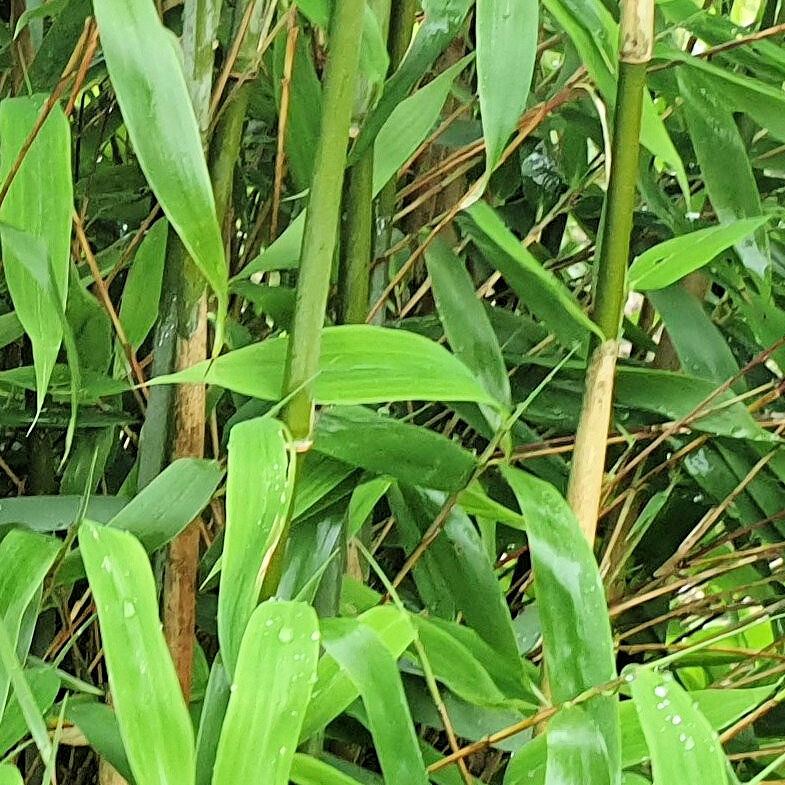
(233,688)
(676,719)
(286,635)
(282,751)
(660,691)
(129,609)
(316,635)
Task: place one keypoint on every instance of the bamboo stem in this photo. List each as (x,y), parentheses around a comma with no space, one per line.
(319,239)
(356,244)
(588,463)
(321,222)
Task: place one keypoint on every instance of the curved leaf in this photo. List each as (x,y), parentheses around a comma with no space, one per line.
(156,106)
(154,722)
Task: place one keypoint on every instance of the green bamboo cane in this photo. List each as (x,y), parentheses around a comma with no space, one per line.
(319,238)
(586,475)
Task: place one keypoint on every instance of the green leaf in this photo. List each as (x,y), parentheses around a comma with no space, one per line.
(335,689)
(98,722)
(382,444)
(277,660)
(216,699)
(18,586)
(157,110)
(669,261)
(307,770)
(465,320)
(372,669)
(259,487)
(142,291)
(409,124)
(10,775)
(571,601)
(506,50)
(44,685)
(443,20)
(47,9)
(282,254)
(728,177)
(683,745)
(358,364)
(576,750)
(540,291)
(702,349)
(153,719)
(46,169)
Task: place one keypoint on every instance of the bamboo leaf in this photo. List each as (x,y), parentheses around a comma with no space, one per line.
(277,659)
(576,750)
(466,323)
(157,110)
(729,179)
(335,689)
(506,50)
(154,722)
(10,775)
(258,496)
(538,289)
(18,587)
(139,306)
(307,770)
(372,669)
(358,364)
(669,261)
(410,123)
(381,444)
(571,601)
(683,745)
(46,169)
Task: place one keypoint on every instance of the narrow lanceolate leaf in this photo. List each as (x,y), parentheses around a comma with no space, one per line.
(361,437)
(335,689)
(373,670)
(157,110)
(506,48)
(667,262)
(139,306)
(358,364)
(153,719)
(307,770)
(18,586)
(258,495)
(466,323)
(571,601)
(539,290)
(410,122)
(682,743)
(271,688)
(728,177)
(46,169)
(576,750)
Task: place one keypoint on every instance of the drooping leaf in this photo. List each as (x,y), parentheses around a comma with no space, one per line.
(18,586)
(381,444)
(157,110)
(46,169)
(571,602)
(139,306)
(335,689)
(539,290)
(258,496)
(728,177)
(409,124)
(358,364)
(277,659)
(682,743)
(372,669)
(307,770)
(153,719)
(576,750)
(506,49)
(465,321)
